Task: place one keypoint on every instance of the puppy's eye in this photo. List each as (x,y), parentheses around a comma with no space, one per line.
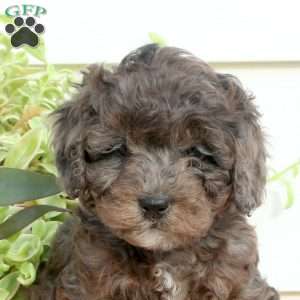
(119,150)
(202,153)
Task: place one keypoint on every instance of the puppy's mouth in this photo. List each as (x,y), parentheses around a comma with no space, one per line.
(150,234)
(151,239)
(154,220)
(153,224)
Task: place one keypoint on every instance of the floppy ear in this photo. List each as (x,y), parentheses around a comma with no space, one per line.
(69,130)
(249,174)
(67,144)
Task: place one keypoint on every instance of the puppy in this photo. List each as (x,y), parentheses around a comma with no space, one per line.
(167,159)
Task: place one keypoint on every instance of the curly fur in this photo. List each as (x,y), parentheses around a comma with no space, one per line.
(155,106)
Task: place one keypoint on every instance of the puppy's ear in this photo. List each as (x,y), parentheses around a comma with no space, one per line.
(249,174)
(67,144)
(69,131)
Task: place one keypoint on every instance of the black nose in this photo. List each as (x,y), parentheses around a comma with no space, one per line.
(154,205)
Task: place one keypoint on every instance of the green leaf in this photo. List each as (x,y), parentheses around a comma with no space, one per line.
(6,212)
(38,52)
(37,122)
(4,246)
(22,58)
(9,286)
(23,152)
(155,38)
(50,168)
(290,195)
(5,41)
(296,170)
(39,228)
(17,186)
(45,230)
(291,168)
(4,294)
(25,247)
(52,227)
(5,19)
(3,267)
(56,201)
(27,273)
(3,213)
(22,294)
(25,217)
(52,93)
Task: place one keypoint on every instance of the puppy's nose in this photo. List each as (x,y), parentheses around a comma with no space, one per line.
(154,205)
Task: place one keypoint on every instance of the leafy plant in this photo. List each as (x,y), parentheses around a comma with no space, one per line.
(156,38)
(28,94)
(288,179)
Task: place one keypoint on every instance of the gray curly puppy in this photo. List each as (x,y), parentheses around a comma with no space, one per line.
(167,158)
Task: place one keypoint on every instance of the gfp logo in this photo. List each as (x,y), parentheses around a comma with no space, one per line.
(25,30)
(25,10)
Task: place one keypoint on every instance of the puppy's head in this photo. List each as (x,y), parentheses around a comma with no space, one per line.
(160,145)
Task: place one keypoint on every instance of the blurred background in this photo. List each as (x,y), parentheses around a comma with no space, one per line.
(257,41)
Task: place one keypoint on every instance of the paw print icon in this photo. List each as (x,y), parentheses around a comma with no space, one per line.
(24,32)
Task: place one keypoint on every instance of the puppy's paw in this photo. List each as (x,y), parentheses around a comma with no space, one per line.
(164,283)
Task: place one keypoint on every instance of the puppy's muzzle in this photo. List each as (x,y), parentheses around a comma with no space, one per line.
(154,206)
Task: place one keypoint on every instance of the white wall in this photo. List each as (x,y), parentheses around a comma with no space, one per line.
(277,90)
(216,30)
(250,39)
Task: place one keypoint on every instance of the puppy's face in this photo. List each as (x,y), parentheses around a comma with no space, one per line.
(154,184)
(159,146)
